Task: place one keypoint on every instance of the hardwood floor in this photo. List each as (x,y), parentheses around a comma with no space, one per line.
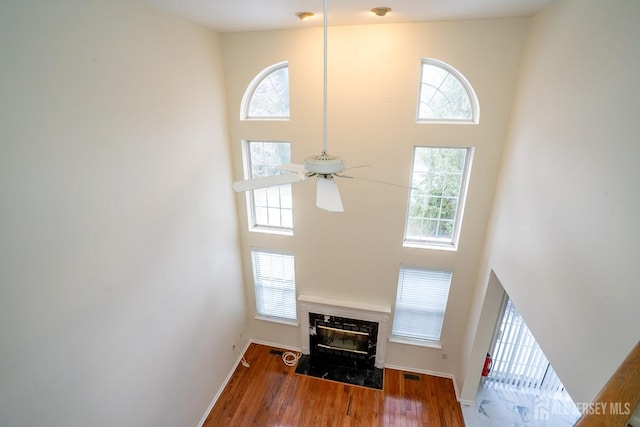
(269,393)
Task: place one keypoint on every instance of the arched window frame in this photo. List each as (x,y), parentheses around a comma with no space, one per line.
(251,88)
(473,99)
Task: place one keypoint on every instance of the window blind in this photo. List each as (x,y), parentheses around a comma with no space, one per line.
(518,360)
(420,303)
(274,282)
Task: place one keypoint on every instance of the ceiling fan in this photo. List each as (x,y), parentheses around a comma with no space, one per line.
(323,166)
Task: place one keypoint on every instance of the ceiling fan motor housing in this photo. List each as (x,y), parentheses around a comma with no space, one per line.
(324,164)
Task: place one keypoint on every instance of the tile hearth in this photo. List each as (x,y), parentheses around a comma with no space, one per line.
(328,370)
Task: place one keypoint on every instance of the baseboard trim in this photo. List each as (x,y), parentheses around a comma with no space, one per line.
(224,384)
(272,344)
(233,369)
(427,372)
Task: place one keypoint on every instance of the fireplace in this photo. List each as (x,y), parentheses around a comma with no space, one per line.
(343,341)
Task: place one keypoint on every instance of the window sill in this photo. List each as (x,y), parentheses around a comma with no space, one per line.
(416,342)
(265,230)
(264,119)
(435,246)
(446,122)
(287,322)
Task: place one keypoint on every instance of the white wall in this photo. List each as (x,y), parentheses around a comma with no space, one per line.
(120,284)
(567,217)
(483,319)
(373,91)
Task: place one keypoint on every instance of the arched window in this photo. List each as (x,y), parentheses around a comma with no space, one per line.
(267,96)
(446,95)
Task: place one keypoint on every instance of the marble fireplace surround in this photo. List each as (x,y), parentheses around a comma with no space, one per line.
(352,310)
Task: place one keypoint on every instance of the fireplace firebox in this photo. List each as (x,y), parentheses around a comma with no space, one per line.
(343,341)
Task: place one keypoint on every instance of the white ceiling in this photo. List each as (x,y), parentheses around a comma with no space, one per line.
(257,15)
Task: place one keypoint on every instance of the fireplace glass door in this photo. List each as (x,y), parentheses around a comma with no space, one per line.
(340,339)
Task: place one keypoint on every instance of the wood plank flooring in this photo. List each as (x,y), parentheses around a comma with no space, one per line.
(269,393)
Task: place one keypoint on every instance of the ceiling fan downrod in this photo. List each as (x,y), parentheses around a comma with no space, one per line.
(325,164)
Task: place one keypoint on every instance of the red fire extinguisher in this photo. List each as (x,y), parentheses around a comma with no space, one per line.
(487,365)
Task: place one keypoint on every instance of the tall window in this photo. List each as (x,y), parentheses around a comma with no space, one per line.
(269,209)
(267,96)
(420,304)
(445,95)
(275,286)
(439,182)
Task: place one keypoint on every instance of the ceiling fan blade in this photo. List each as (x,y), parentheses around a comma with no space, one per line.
(292,167)
(328,196)
(356,167)
(376,181)
(267,181)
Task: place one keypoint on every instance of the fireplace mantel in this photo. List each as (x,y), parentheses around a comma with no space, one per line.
(372,313)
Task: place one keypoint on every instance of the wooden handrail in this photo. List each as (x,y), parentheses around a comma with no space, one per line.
(614,405)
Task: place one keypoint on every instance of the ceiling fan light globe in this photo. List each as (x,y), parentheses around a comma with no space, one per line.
(381,11)
(324,164)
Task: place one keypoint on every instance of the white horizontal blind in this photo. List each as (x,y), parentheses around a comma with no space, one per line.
(420,303)
(274,281)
